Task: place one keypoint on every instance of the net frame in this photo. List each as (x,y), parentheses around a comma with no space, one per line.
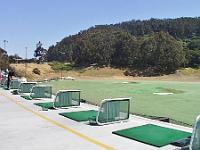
(32,93)
(66,91)
(20,90)
(113,100)
(195,139)
(3,81)
(13,84)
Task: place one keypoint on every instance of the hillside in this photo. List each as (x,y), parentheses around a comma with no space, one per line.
(187,74)
(45,70)
(48,73)
(160,46)
(145,48)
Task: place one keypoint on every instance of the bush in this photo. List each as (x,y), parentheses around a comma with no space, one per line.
(36,71)
(61,66)
(145,72)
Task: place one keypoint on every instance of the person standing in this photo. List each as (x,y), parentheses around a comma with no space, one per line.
(10,74)
(0,76)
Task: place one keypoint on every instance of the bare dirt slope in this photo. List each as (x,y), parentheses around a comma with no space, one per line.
(186,74)
(48,73)
(45,70)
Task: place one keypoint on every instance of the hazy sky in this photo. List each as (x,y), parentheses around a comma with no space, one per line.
(25,22)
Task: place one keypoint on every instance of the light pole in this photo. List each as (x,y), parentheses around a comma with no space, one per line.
(4,44)
(25,60)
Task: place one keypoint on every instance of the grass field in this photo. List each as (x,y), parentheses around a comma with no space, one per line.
(183,105)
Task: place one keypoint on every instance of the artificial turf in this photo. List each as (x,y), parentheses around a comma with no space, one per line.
(80,116)
(48,105)
(183,105)
(153,134)
(27,97)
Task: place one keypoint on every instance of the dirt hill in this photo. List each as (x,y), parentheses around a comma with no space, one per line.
(46,72)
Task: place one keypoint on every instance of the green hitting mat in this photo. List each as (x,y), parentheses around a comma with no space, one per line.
(153,135)
(80,116)
(27,97)
(15,92)
(48,105)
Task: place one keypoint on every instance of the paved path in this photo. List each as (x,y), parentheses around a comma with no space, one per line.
(22,130)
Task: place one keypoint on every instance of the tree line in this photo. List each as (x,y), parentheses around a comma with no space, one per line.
(118,48)
(163,45)
(180,28)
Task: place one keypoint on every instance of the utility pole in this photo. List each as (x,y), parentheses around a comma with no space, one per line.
(61,74)
(25,60)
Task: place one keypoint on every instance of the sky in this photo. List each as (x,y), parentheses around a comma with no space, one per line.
(25,22)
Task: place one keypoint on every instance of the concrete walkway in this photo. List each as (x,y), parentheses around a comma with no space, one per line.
(21,130)
(23,126)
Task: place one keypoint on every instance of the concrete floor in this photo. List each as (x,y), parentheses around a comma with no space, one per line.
(24,126)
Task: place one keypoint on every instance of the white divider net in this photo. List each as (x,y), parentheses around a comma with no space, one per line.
(15,83)
(25,87)
(41,91)
(66,98)
(113,110)
(195,140)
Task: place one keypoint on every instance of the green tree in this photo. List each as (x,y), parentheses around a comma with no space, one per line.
(168,54)
(193,53)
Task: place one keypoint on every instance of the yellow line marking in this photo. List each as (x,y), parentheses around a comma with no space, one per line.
(104,146)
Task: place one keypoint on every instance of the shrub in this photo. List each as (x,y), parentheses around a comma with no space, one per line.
(61,66)
(36,71)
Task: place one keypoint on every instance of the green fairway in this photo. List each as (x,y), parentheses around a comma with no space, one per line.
(183,105)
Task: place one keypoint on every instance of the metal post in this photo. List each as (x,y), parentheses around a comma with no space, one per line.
(26,60)
(4,44)
(61,73)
